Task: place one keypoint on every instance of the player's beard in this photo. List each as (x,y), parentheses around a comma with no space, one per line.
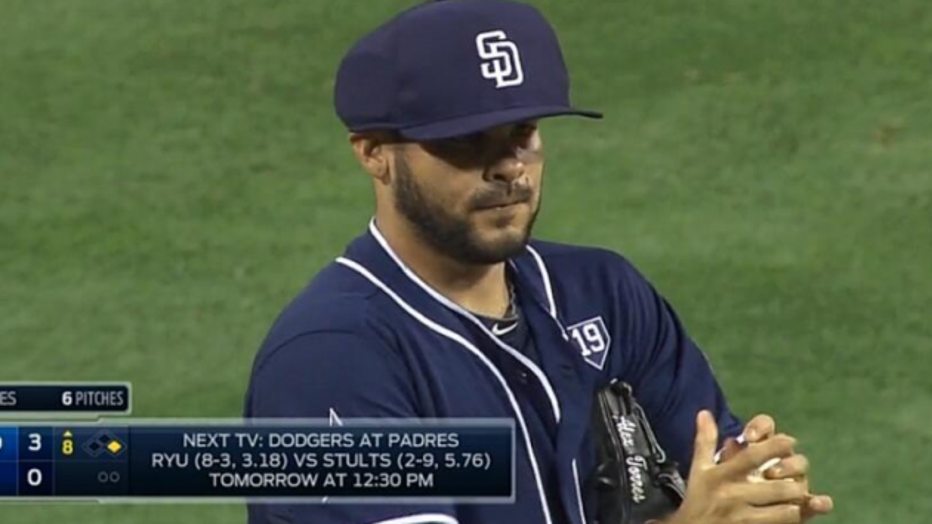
(449,234)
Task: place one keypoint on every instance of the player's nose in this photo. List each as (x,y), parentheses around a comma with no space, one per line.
(506,169)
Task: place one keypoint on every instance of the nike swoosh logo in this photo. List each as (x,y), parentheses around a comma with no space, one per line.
(498,331)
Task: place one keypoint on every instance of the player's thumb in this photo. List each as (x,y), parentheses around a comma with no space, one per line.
(706,440)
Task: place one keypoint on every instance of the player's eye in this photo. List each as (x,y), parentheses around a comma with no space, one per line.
(483,147)
(524,130)
(474,141)
(524,134)
(458,149)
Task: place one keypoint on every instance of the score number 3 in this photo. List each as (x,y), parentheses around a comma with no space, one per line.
(35,442)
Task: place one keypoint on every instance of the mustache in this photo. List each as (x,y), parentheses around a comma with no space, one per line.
(518,194)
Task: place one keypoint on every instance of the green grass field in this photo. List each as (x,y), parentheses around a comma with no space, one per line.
(171,173)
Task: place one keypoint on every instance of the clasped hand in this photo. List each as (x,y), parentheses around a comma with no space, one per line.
(758,479)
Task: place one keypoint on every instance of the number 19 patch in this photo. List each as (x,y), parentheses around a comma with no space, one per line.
(593,340)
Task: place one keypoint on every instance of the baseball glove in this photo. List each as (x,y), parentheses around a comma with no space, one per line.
(635,481)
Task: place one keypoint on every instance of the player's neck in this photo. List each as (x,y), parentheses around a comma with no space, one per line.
(481,289)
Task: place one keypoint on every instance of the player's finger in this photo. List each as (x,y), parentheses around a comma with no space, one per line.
(706,440)
(729,449)
(793,467)
(771,492)
(761,427)
(817,505)
(756,455)
(779,514)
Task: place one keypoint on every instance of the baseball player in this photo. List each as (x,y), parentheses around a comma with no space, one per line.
(445,307)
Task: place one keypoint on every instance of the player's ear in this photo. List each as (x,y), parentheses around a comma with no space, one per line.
(373,155)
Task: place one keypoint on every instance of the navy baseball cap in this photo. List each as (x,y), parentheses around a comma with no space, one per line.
(449,68)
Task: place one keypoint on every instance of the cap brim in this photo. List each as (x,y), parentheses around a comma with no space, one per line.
(474,123)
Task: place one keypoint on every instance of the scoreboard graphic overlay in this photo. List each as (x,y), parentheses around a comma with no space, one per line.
(75,399)
(269,460)
(273,460)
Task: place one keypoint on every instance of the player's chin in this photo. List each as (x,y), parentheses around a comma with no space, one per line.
(507,241)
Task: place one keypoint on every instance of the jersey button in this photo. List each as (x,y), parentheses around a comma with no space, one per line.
(522,377)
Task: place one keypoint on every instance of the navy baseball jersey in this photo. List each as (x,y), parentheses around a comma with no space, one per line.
(368,338)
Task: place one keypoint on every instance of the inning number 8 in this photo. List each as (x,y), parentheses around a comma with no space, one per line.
(590,339)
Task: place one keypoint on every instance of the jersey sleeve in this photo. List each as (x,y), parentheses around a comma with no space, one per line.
(671,376)
(352,376)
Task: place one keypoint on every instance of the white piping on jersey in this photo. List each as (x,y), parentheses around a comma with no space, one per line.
(528,363)
(456,337)
(545,276)
(423,518)
(548,288)
(582,512)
